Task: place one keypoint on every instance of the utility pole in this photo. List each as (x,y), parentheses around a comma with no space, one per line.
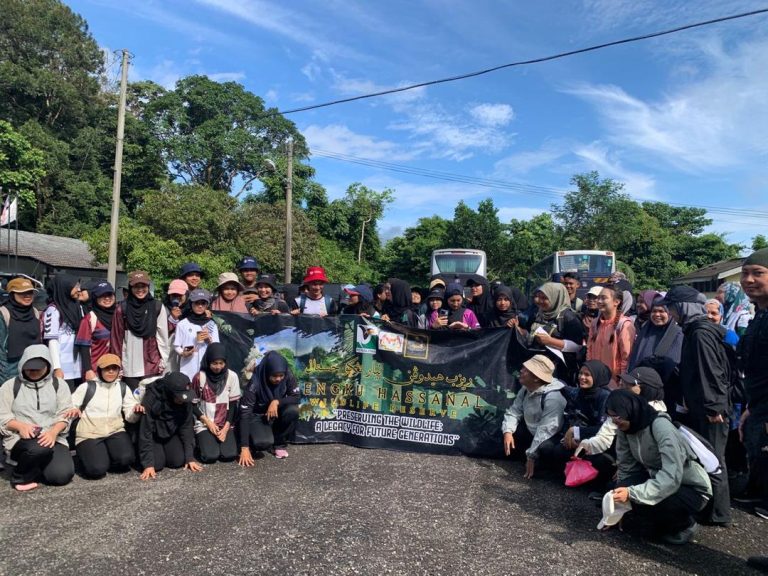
(115,217)
(289,213)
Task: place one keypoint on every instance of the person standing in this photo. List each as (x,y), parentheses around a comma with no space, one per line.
(249,269)
(19,326)
(140,332)
(572,284)
(94,333)
(61,322)
(194,333)
(753,349)
(612,335)
(314,301)
(705,375)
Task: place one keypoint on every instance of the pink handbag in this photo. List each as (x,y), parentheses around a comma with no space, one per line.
(578,472)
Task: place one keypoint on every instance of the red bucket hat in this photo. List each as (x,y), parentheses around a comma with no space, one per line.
(314,274)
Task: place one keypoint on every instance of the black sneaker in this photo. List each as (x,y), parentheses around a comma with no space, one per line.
(746,499)
(682,537)
(761,512)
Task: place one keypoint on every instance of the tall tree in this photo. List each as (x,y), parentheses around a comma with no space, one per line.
(480,229)
(21,164)
(530,241)
(409,256)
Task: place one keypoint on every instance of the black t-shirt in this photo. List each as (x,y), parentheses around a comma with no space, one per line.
(753,350)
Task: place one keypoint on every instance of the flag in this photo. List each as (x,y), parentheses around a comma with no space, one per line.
(9,211)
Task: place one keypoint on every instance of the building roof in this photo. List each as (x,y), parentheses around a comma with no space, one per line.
(56,251)
(716,271)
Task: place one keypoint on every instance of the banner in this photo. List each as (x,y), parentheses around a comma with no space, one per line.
(377,385)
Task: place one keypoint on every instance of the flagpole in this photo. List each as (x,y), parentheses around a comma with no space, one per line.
(16,250)
(7,211)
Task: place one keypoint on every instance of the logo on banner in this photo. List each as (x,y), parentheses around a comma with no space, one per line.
(391,342)
(417,346)
(367,339)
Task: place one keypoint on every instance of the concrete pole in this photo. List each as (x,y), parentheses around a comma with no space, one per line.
(289,213)
(115,217)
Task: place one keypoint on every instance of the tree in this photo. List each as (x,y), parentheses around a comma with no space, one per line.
(21,164)
(408,256)
(480,229)
(530,241)
(759,242)
(215,134)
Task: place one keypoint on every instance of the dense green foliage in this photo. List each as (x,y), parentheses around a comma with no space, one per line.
(205,171)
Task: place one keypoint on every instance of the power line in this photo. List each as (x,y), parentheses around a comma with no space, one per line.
(531,189)
(523,62)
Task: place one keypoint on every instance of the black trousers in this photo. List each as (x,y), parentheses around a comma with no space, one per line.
(756,443)
(673,514)
(717,435)
(265,434)
(168,453)
(99,455)
(547,454)
(52,465)
(212,450)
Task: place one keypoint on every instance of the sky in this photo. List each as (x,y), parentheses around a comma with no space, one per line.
(679,119)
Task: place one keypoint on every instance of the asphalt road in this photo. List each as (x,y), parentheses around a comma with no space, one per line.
(338,510)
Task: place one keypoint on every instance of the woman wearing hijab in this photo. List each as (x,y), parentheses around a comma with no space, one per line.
(166,431)
(218,390)
(35,413)
(360,301)
(61,321)
(229,297)
(482,303)
(95,331)
(266,301)
(19,325)
(659,474)
(736,307)
(557,326)
(505,310)
(644,305)
(455,316)
(612,334)
(400,308)
(195,333)
(268,409)
(140,332)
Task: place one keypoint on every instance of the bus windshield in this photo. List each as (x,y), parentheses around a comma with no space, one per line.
(589,263)
(458,263)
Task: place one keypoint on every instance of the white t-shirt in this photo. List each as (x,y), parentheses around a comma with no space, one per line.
(185,336)
(54,329)
(216,407)
(313,306)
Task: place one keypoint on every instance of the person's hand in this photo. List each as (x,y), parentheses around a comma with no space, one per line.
(211,425)
(458,326)
(149,472)
(187,353)
(275,312)
(245,457)
(202,336)
(25,430)
(90,375)
(512,323)
(716,419)
(568,440)
(250,297)
(255,311)
(72,413)
(47,439)
(223,431)
(441,321)
(509,443)
(193,466)
(295,312)
(208,313)
(385,317)
(530,464)
(742,420)
(272,410)
(583,447)
(543,339)
(621,495)
(139,409)
(59,373)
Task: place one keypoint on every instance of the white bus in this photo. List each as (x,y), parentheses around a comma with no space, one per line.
(452,263)
(592,266)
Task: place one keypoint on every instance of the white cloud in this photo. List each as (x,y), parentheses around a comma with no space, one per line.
(271,96)
(227,76)
(340,139)
(492,114)
(523,162)
(718,121)
(507,213)
(165,73)
(597,157)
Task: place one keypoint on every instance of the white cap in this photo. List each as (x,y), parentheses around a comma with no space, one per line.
(612,511)
(595,290)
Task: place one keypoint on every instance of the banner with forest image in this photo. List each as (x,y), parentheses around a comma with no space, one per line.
(377,385)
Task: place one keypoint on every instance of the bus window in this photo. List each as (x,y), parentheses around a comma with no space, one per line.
(458,263)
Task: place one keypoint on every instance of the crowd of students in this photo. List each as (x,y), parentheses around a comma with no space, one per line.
(146,380)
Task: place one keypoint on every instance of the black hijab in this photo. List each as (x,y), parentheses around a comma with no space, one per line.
(632,408)
(454,289)
(104,315)
(60,293)
(401,299)
(141,315)
(167,414)
(499,318)
(601,377)
(215,351)
(484,305)
(23,328)
(272,363)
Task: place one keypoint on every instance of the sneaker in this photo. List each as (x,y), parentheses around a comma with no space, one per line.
(746,499)
(761,512)
(281,453)
(26,487)
(682,537)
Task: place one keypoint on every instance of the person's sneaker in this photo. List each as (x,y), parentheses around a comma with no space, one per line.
(26,487)
(746,499)
(761,512)
(682,537)
(281,453)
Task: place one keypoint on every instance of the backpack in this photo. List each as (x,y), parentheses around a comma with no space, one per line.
(17,386)
(330,305)
(6,314)
(91,391)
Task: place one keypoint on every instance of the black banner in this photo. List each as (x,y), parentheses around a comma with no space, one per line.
(378,385)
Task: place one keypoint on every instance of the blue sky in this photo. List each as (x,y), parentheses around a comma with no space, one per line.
(680,119)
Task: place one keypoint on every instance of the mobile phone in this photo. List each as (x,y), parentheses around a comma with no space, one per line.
(442,312)
(188,348)
(36,431)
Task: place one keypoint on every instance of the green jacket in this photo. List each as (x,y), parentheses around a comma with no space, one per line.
(662,452)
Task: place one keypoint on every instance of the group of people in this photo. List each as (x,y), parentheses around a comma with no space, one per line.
(146,380)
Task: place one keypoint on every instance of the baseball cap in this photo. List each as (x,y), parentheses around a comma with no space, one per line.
(102,288)
(248,263)
(643,375)
(595,291)
(177,287)
(189,268)
(199,294)
(138,277)
(20,285)
(612,511)
(108,360)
